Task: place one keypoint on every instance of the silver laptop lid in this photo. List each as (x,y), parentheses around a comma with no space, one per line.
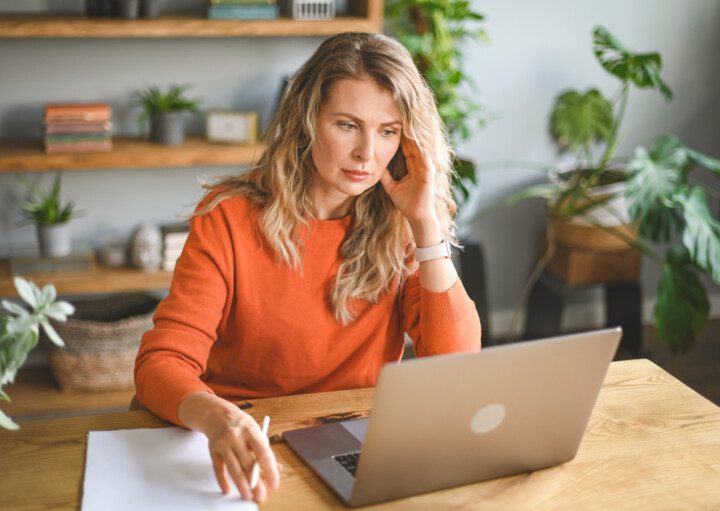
(450,420)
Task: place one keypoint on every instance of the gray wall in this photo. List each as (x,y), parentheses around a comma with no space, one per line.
(537,49)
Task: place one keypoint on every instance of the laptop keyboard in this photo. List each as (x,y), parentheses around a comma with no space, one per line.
(349,461)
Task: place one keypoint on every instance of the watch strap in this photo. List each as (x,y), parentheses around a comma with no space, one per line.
(438,251)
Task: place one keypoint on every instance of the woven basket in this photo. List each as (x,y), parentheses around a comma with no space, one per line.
(101,342)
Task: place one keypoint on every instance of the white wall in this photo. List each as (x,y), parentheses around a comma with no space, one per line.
(537,49)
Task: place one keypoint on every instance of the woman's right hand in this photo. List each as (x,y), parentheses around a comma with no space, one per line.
(235,442)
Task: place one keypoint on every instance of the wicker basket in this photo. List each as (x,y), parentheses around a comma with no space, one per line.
(101,342)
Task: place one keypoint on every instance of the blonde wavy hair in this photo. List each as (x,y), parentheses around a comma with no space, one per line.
(376,255)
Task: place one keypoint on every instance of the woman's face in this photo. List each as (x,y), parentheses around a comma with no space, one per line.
(358,131)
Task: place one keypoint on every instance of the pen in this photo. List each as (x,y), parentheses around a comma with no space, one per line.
(255,475)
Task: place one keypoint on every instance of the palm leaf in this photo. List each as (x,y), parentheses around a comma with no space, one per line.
(546,191)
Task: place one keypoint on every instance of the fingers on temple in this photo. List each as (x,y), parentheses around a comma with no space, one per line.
(410,148)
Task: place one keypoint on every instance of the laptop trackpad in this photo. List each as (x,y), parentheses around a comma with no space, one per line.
(357,428)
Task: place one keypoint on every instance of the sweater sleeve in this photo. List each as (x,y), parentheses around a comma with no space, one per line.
(174,354)
(439,322)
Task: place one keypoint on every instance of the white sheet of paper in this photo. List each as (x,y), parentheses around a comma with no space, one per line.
(153,469)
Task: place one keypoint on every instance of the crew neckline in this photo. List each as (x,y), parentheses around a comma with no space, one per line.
(334,224)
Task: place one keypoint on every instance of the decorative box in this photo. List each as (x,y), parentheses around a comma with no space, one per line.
(232,126)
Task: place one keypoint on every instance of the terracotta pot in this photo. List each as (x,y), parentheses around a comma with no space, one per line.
(589,237)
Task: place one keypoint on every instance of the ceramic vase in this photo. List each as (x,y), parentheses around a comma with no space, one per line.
(168,127)
(54,240)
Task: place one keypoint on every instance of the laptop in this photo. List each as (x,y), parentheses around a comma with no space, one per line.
(449,420)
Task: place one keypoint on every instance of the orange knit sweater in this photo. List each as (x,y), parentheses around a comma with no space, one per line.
(241,324)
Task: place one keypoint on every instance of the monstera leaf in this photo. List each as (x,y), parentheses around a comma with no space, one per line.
(580,120)
(682,306)
(702,232)
(654,179)
(642,69)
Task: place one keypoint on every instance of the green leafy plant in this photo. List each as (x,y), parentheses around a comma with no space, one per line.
(664,206)
(669,209)
(20,330)
(154,100)
(46,208)
(587,125)
(433,31)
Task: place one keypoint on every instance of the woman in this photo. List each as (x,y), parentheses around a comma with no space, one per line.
(303,274)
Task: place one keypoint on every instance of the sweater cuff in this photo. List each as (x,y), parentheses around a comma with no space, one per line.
(171,392)
(445,308)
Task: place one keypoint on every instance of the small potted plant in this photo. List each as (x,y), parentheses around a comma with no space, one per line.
(166,110)
(20,331)
(51,218)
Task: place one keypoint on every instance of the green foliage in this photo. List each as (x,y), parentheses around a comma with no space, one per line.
(666,209)
(20,330)
(580,120)
(46,208)
(655,177)
(682,306)
(433,30)
(642,69)
(663,206)
(154,100)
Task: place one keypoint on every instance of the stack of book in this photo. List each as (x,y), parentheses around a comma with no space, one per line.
(243,10)
(173,238)
(77,127)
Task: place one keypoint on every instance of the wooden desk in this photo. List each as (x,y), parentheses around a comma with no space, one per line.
(652,443)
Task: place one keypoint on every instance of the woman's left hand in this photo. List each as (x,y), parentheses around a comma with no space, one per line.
(414,194)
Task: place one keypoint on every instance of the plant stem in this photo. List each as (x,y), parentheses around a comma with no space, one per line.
(542,263)
(610,148)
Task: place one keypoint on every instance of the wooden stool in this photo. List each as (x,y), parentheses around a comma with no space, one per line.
(571,269)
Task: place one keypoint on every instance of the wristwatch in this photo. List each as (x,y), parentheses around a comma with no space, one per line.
(442,249)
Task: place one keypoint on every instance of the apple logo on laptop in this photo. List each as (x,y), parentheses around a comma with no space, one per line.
(487,418)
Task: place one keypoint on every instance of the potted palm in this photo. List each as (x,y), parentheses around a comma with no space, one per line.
(642,202)
(166,109)
(51,217)
(20,331)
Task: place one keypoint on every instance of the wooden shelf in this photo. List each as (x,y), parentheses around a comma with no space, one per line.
(36,396)
(79,27)
(29,156)
(97,280)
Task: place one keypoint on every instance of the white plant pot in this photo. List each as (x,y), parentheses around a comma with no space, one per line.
(54,240)
(610,214)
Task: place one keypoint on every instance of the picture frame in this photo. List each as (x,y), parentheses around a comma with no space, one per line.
(232,126)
